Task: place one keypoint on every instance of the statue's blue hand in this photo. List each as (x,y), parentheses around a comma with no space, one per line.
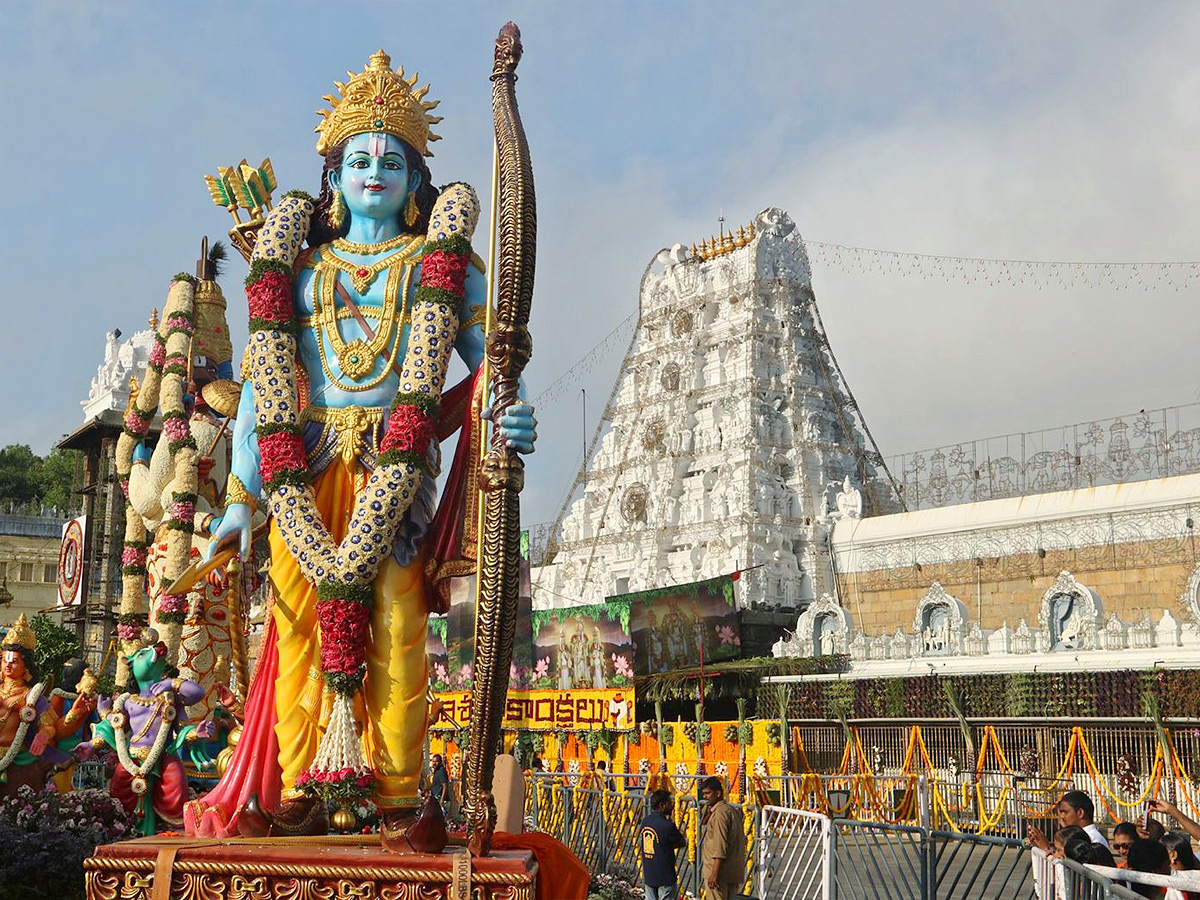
(235,521)
(517,426)
(141,453)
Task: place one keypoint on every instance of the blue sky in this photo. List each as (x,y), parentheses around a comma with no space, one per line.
(983,129)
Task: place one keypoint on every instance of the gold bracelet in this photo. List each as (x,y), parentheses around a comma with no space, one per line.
(235,492)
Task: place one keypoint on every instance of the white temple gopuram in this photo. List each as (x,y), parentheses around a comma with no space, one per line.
(730,441)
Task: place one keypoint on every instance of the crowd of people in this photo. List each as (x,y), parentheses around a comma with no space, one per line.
(1142,846)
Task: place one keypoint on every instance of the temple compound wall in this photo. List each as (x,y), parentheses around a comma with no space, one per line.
(1096,577)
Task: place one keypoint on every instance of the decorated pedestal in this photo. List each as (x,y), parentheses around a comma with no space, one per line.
(312,868)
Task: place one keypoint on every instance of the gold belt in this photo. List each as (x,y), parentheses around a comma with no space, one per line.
(348,423)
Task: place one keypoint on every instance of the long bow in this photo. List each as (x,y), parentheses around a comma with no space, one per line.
(503,473)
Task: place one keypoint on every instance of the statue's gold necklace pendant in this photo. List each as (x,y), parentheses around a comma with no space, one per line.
(362,275)
(357,358)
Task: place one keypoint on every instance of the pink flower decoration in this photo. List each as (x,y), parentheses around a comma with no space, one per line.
(173,603)
(136,423)
(176,429)
(181,322)
(281,452)
(182,510)
(158,354)
(128,632)
(133,556)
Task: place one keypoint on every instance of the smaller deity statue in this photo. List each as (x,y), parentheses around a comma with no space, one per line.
(149,734)
(76,687)
(28,724)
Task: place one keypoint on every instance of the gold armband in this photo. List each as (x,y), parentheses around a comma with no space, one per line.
(235,492)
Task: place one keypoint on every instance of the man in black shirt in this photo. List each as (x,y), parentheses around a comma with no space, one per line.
(658,839)
(439,780)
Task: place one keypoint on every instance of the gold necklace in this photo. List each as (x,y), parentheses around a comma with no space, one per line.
(363,275)
(348,246)
(357,358)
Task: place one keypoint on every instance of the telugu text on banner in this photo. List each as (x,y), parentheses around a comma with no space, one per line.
(548,710)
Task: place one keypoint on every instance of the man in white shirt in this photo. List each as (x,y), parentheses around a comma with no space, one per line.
(1076,808)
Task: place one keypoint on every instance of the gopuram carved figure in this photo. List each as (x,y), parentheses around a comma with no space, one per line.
(28,724)
(356,301)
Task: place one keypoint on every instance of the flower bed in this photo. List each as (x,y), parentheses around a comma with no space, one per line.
(46,836)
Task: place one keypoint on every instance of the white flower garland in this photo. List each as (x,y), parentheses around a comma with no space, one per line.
(118,717)
(28,717)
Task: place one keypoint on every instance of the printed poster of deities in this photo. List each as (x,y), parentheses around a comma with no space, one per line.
(680,627)
(582,647)
(450,645)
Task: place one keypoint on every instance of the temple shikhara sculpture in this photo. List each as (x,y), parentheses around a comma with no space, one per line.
(730,435)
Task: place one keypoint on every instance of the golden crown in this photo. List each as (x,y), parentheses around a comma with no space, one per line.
(20,635)
(378,99)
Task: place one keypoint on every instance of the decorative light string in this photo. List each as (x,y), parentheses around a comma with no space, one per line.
(997,272)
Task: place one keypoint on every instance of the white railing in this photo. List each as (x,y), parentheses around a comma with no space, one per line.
(1058,879)
(794,855)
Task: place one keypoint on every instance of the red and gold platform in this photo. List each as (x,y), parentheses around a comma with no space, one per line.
(342,867)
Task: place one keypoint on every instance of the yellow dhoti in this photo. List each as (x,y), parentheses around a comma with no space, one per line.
(393,701)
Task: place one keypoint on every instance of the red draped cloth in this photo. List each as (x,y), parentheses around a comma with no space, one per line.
(254,768)
(561,875)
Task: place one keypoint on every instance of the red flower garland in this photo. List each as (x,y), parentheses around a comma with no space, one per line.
(409,429)
(281,452)
(445,270)
(344,625)
(270,297)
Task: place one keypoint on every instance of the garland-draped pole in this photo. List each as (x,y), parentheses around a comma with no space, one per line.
(502,475)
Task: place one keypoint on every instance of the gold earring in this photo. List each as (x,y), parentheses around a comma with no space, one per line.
(337,211)
(410,211)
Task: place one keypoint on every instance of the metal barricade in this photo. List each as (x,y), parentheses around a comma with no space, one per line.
(623,815)
(795,854)
(880,862)
(978,867)
(1085,883)
(585,833)
(794,858)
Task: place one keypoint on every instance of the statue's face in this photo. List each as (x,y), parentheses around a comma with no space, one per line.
(374,177)
(13,667)
(148,664)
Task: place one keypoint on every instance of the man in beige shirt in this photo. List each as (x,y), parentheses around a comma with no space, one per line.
(723,856)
